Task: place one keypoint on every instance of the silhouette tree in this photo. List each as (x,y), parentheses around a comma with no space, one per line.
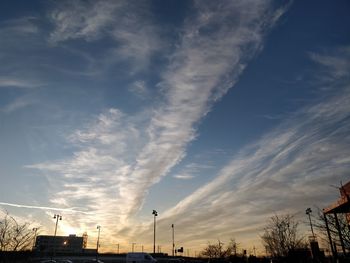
(219,251)
(281,236)
(214,250)
(15,236)
(232,247)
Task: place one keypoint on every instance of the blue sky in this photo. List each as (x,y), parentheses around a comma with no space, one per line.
(218,114)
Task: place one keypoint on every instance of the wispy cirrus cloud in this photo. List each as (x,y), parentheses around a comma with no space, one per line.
(82,19)
(17,34)
(92,177)
(288,169)
(19,103)
(139,88)
(20,27)
(118,158)
(12,82)
(127,25)
(202,69)
(183,176)
(333,63)
(191,170)
(46,208)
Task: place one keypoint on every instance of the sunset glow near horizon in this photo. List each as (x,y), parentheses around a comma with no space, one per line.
(217,114)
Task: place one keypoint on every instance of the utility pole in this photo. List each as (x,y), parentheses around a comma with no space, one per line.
(98,241)
(154,213)
(308,212)
(57,217)
(173,228)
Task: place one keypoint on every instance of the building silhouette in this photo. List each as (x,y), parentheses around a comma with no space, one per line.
(340,206)
(60,244)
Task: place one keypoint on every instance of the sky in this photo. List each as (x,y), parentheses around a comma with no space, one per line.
(217,114)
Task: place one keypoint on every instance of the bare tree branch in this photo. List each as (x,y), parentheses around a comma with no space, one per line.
(281,236)
(15,236)
(320,225)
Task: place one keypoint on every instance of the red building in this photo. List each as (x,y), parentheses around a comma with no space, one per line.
(341,206)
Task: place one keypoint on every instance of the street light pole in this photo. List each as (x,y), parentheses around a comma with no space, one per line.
(57,217)
(308,212)
(154,213)
(98,241)
(173,228)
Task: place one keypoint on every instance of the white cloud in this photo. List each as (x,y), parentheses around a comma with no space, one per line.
(18,83)
(23,27)
(93,177)
(119,157)
(139,88)
(336,63)
(82,19)
(19,103)
(287,170)
(205,65)
(128,24)
(191,170)
(67,210)
(19,38)
(183,176)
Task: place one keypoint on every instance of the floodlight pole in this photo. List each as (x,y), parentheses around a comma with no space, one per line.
(308,212)
(57,217)
(154,213)
(173,228)
(98,241)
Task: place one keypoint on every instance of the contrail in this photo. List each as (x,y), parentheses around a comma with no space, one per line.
(45,208)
